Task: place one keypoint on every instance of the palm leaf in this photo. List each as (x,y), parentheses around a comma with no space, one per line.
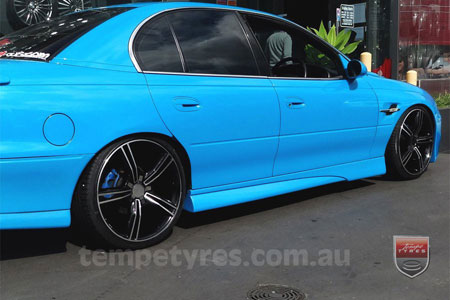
(342,39)
(332,36)
(350,47)
(322,31)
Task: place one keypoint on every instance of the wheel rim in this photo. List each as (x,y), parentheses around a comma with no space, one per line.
(416,141)
(33,11)
(139,190)
(68,6)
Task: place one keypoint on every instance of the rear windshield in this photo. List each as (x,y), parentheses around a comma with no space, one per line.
(45,40)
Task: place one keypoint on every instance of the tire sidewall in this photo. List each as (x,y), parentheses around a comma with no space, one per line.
(89,196)
(393,155)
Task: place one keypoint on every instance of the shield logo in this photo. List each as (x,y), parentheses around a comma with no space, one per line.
(411,254)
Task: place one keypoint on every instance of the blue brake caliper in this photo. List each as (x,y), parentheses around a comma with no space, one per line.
(111,181)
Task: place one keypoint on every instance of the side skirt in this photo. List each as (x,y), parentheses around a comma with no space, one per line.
(215,197)
(30,220)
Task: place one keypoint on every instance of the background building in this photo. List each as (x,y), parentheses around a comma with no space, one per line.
(401,34)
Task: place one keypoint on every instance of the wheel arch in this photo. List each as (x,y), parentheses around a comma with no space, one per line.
(436,124)
(181,151)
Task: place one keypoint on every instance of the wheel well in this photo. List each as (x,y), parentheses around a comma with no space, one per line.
(171,140)
(421,105)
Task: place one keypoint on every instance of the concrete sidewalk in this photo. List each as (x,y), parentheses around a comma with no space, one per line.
(360,217)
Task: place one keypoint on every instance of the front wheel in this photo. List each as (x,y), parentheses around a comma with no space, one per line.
(132,193)
(410,147)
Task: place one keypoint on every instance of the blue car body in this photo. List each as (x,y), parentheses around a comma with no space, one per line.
(242,136)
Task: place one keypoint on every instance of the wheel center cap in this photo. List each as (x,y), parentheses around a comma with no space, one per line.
(138,190)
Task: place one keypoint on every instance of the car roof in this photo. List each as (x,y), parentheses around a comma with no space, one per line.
(174,5)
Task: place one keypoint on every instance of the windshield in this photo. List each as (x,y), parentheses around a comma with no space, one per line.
(45,40)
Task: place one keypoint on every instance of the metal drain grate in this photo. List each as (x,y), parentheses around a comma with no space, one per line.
(273,291)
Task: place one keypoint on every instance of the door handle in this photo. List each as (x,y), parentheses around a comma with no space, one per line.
(186,104)
(296,105)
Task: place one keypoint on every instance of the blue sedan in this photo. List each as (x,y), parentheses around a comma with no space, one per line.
(118,118)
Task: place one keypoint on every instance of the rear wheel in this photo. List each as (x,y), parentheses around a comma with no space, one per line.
(132,193)
(410,147)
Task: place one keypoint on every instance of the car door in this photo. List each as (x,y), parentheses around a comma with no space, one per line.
(326,120)
(207,87)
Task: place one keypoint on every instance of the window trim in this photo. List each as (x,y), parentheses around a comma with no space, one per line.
(177,44)
(241,13)
(164,14)
(164,19)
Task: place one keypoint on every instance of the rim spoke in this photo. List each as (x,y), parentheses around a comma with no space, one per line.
(418,121)
(407,156)
(129,157)
(135,219)
(420,157)
(424,140)
(159,169)
(406,129)
(166,205)
(115,195)
(121,183)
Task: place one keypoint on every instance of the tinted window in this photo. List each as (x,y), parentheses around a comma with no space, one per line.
(213,42)
(155,47)
(292,53)
(44,40)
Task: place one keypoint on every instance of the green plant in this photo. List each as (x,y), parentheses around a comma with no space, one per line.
(443,100)
(339,41)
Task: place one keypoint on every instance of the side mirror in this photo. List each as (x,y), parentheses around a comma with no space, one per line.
(355,68)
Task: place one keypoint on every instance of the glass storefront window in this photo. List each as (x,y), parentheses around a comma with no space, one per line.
(424,38)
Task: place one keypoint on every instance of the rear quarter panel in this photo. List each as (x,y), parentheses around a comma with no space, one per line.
(103,106)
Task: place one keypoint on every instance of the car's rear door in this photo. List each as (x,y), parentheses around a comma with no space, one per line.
(326,119)
(207,87)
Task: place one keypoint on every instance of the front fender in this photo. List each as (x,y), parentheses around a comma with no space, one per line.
(404,95)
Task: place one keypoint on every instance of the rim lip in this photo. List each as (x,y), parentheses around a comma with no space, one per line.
(99,175)
(433,134)
(48,12)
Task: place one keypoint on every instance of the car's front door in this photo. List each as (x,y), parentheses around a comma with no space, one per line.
(207,87)
(326,120)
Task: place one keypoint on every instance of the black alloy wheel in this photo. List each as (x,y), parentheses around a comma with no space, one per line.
(132,193)
(411,145)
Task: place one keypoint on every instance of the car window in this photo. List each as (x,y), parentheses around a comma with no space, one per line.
(292,53)
(155,48)
(213,42)
(45,40)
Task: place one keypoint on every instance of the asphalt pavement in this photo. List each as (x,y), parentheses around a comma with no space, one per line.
(341,234)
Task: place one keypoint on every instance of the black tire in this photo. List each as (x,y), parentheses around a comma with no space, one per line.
(105,222)
(411,144)
(48,8)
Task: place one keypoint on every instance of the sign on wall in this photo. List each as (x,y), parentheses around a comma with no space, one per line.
(347,13)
